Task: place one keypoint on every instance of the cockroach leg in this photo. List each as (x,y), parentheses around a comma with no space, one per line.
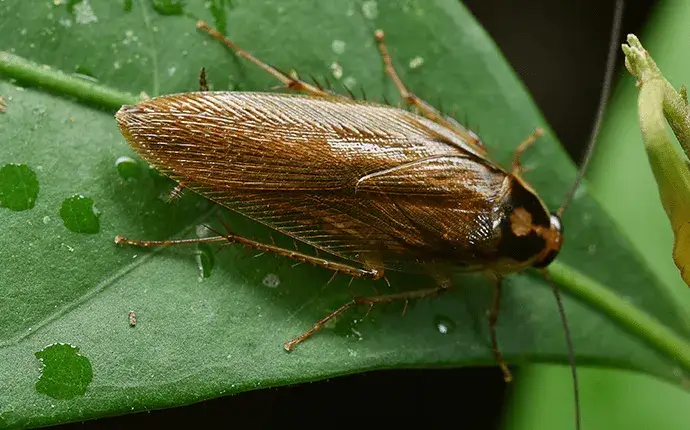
(423,107)
(119,240)
(176,192)
(371,301)
(517,167)
(292,83)
(203,84)
(493,318)
(368,272)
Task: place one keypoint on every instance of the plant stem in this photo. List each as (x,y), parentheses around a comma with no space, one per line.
(25,71)
(643,325)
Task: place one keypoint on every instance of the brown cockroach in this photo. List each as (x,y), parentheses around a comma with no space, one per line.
(378,187)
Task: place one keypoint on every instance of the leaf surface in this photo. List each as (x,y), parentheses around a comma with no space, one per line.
(205,330)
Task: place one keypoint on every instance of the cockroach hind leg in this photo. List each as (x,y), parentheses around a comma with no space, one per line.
(295,84)
(517,166)
(493,319)
(370,301)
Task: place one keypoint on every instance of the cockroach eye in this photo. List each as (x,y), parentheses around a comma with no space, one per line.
(554,242)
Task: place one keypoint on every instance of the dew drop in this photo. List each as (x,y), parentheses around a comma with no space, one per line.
(127,168)
(84,73)
(443,324)
(350,83)
(39,111)
(416,62)
(205,260)
(46,219)
(80,215)
(338,46)
(347,326)
(271,280)
(370,9)
(202,230)
(18,187)
(130,37)
(83,13)
(168,7)
(337,70)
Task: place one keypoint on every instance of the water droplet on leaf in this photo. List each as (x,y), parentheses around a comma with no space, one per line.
(66,373)
(18,187)
(80,215)
(271,280)
(443,324)
(168,7)
(205,260)
(127,168)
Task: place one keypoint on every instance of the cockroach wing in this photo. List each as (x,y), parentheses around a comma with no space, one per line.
(371,183)
(463,176)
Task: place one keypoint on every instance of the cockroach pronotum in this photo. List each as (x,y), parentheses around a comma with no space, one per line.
(374,186)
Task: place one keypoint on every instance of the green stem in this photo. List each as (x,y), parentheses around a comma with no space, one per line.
(645,326)
(25,71)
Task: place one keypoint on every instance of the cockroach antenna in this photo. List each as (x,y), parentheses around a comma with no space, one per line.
(603,101)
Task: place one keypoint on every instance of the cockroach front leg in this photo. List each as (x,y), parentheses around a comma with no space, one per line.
(288,81)
(517,167)
(405,296)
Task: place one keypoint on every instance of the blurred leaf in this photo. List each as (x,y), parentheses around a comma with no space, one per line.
(205,330)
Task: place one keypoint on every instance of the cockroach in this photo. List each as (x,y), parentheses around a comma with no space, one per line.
(374,186)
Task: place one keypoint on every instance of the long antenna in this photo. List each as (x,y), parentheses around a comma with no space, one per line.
(571,348)
(603,101)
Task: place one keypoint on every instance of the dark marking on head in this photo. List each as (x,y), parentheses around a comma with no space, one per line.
(521,197)
(524,220)
(519,248)
(554,242)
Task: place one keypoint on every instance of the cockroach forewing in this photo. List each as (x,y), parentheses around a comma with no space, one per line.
(367,182)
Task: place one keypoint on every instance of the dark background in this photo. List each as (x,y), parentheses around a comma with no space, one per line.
(566,86)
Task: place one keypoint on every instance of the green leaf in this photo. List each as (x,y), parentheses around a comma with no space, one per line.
(214,324)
